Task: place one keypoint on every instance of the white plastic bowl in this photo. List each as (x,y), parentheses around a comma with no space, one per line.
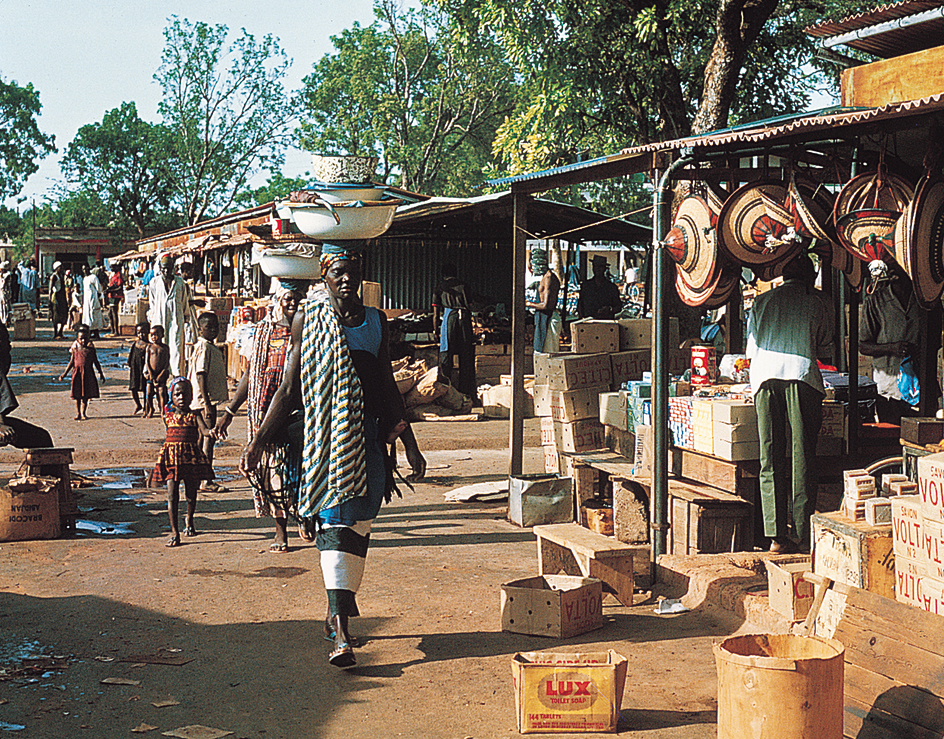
(290,266)
(342,194)
(358,220)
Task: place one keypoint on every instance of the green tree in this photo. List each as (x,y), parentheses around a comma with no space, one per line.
(127,162)
(414,89)
(227,109)
(277,187)
(10,223)
(21,141)
(598,76)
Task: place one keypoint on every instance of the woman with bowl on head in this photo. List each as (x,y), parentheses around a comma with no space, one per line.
(338,371)
(270,342)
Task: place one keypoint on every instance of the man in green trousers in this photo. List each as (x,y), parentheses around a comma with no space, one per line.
(789,327)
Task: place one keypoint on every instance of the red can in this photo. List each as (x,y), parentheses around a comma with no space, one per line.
(704,365)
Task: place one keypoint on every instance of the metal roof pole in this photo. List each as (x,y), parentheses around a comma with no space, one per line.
(661,200)
(519,265)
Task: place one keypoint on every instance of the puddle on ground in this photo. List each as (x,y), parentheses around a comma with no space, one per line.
(103,528)
(121,478)
(127,497)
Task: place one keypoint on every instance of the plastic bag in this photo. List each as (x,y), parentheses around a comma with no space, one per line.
(908,381)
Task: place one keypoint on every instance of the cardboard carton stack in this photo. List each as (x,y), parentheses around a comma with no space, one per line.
(918,538)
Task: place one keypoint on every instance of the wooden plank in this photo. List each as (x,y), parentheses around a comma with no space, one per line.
(868,721)
(907,702)
(888,656)
(889,617)
(617,577)
(581,540)
(907,77)
(702,494)
(609,462)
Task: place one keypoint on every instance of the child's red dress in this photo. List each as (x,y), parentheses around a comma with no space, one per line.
(181,457)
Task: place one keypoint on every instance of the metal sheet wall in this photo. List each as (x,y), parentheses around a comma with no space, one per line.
(409,272)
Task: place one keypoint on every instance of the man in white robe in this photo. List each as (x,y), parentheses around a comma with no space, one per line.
(92,299)
(171,306)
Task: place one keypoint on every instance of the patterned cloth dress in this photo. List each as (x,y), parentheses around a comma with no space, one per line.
(181,457)
(84,384)
(266,365)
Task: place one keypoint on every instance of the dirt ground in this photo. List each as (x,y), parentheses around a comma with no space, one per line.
(222,633)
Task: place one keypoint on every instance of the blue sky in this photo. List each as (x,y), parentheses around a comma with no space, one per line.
(86,57)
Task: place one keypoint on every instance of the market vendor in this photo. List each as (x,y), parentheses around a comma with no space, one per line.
(452,303)
(15,431)
(888,333)
(547,319)
(789,327)
(599,296)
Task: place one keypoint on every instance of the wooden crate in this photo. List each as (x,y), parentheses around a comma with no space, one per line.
(854,553)
(704,520)
(55,462)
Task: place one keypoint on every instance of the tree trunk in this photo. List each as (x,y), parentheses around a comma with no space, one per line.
(737,24)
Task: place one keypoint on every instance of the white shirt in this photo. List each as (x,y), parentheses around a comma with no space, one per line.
(172,310)
(788,328)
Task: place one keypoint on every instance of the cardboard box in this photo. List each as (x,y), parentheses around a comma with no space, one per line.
(568,692)
(931,486)
(790,595)
(549,432)
(613,410)
(573,405)
(629,366)
(552,605)
(24,328)
(579,436)
(878,510)
(591,336)
(739,412)
(636,333)
(932,550)
(735,432)
(834,421)
(552,460)
(538,499)
(30,514)
(577,371)
(702,429)
(736,451)
(542,400)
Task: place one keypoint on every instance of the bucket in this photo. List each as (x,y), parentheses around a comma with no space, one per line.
(779,686)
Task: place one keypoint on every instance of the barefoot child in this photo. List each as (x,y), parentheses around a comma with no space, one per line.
(157,371)
(137,359)
(181,459)
(83,363)
(207,374)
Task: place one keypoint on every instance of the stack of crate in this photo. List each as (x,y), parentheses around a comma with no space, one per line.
(918,530)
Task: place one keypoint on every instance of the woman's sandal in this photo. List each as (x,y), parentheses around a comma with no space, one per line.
(190,531)
(343,656)
(277,547)
(173,541)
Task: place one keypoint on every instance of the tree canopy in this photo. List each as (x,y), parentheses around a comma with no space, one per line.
(598,76)
(415,90)
(127,162)
(226,107)
(21,141)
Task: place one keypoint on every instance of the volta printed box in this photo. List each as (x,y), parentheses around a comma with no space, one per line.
(931,486)
(552,605)
(568,692)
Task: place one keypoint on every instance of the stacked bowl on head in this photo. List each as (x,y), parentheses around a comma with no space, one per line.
(341,205)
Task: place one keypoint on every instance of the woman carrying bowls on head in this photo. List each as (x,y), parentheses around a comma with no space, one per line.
(275,478)
(338,372)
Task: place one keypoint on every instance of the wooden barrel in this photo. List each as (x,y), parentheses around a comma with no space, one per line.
(779,686)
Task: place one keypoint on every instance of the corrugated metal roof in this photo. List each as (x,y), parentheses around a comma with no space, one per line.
(892,41)
(829,123)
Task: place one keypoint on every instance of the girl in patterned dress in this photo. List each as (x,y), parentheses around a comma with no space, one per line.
(182,458)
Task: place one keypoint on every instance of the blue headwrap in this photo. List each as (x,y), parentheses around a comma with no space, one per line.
(170,392)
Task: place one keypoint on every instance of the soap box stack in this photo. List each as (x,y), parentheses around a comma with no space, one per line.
(918,531)
(858,487)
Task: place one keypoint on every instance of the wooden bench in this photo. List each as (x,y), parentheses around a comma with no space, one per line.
(574,550)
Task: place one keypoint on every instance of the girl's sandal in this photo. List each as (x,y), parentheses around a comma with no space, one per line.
(190,531)
(173,541)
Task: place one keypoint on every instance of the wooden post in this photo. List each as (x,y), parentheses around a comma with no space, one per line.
(519,264)
(929,341)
